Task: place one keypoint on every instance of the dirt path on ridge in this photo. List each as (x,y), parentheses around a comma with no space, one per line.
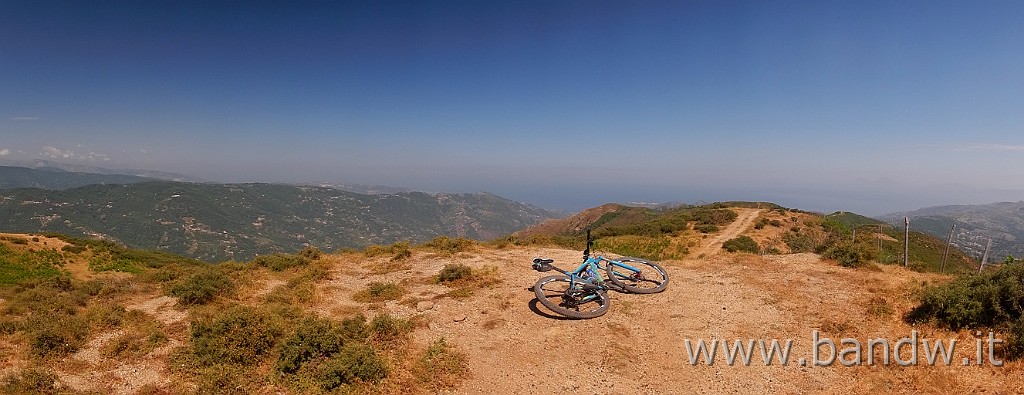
(745,220)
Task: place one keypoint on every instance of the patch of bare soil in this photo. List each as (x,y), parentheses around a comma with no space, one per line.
(162,307)
(91,371)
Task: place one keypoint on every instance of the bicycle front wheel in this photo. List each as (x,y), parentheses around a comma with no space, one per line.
(561,296)
(648,278)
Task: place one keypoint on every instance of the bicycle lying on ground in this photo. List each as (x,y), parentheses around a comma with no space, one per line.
(583,293)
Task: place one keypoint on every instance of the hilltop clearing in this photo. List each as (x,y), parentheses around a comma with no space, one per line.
(457,316)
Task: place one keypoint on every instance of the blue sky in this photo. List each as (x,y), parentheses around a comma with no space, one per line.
(865,106)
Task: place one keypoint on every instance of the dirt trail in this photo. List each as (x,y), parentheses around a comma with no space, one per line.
(744,221)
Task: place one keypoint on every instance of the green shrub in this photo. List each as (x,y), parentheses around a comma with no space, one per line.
(30,381)
(128,343)
(440,367)
(385,328)
(74,249)
(105,315)
(846,254)
(357,362)
(106,263)
(55,295)
(450,246)
(202,287)
(402,254)
(706,228)
(799,242)
(240,334)
(354,328)
(227,379)
(278,261)
(647,247)
(9,325)
(990,300)
(314,338)
(454,272)
(311,253)
(379,292)
(741,244)
(19,267)
(55,334)
(1015,339)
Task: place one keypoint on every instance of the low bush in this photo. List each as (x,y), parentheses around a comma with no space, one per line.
(227,379)
(354,328)
(314,338)
(17,267)
(647,247)
(10,325)
(379,292)
(449,246)
(399,251)
(741,244)
(441,366)
(74,249)
(106,263)
(454,272)
(848,255)
(387,329)
(356,362)
(311,253)
(202,287)
(706,228)
(278,261)
(799,241)
(30,381)
(990,300)
(105,315)
(55,334)
(1015,339)
(239,334)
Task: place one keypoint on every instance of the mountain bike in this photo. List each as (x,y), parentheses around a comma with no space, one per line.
(583,292)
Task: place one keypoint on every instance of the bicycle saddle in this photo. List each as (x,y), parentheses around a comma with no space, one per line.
(542,264)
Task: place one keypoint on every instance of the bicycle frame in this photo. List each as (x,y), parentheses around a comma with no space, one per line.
(594,266)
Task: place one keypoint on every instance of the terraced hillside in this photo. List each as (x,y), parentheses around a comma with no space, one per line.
(217,222)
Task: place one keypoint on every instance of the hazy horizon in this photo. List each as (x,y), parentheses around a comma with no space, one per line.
(871,107)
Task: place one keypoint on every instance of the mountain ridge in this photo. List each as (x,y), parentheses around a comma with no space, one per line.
(46,177)
(238,221)
(1002,222)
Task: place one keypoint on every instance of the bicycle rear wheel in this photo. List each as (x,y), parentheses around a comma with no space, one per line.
(561,296)
(649,279)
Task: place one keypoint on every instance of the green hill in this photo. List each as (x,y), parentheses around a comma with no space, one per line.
(1002,223)
(925,250)
(53,178)
(849,238)
(239,221)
